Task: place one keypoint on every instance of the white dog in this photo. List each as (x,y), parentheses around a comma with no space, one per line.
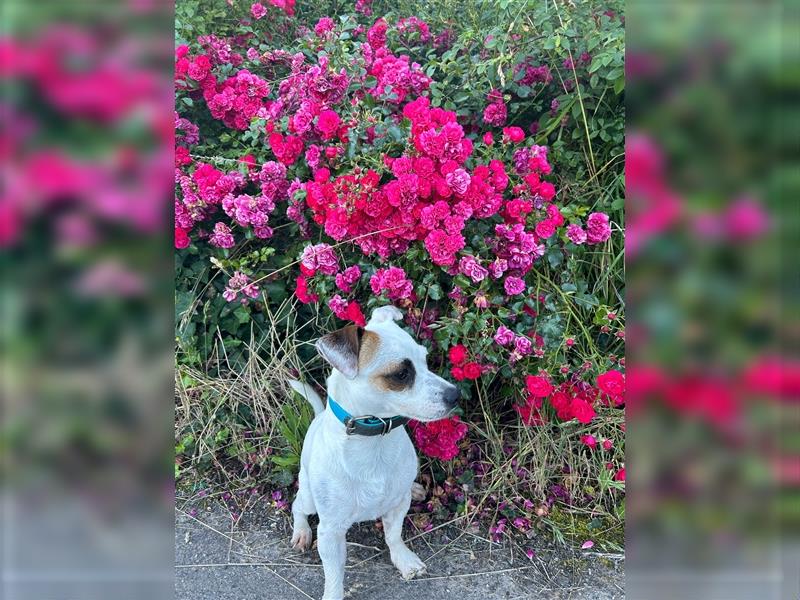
(358,463)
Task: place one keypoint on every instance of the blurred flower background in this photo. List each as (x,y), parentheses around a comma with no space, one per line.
(713,374)
(86,144)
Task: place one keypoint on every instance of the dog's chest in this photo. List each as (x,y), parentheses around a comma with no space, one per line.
(364,483)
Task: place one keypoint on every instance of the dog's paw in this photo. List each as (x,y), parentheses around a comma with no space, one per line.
(408,563)
(301,538)
(417,492)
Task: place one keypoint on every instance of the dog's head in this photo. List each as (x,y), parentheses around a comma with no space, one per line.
(387,370)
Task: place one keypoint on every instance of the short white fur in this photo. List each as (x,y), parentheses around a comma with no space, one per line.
(347,479)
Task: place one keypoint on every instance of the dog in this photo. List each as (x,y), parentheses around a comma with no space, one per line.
(358,462)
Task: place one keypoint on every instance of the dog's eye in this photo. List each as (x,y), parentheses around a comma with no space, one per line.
(402,375)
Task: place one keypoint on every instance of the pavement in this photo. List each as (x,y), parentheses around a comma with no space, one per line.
(219,559)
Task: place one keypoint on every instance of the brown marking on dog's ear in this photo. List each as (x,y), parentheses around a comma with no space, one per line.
(396,378)
(369,347)
(341,349)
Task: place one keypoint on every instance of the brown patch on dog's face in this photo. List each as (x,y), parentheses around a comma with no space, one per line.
(370,341)
(396,377)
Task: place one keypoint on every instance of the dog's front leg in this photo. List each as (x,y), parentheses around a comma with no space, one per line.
(332,546)
(404,559)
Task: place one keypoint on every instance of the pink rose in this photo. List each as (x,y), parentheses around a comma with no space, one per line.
(514,285)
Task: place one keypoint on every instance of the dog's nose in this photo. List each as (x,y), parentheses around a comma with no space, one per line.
(451,397)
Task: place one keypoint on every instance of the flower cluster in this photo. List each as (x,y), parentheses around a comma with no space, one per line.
(394,282)
(495,112)
(240,287)
(463,368)
(237,100)
(397,77)
(439,439)
(259,11)
(319,257)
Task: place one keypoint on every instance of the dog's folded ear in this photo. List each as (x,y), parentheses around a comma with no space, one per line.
(341,348)
(386,313)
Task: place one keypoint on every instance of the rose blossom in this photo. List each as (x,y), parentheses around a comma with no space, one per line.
(258,10)
(320,258)
(348,278)
(394,281)
(576,234)
(504,336)
(470,267)
(597,228)
(522,345)
(514,285)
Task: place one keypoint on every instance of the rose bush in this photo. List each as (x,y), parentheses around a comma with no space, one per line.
(336,163)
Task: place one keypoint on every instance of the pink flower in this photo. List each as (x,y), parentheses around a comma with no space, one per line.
(222,237)
(746,219)
(347,279)
(181,238)
(513,134)
(469,266)
(320,258)
(504,336)
(443,246)
(495,114)
(458,181)
(347,311)
(240,284)
(514,285)
(394,282)
(258,10)
(323,26)
(589,440)
(328,124)
(522,345)
(598,229)
(576,234)
(607,444)
(545,229)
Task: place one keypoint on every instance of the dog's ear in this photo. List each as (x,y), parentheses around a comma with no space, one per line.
(386,313)
(341,348)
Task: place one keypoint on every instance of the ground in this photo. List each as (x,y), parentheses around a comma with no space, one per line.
(217,559)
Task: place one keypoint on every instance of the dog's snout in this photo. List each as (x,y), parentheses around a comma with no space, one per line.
(451,396)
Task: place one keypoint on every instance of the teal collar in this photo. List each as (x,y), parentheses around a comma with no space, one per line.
(367,425)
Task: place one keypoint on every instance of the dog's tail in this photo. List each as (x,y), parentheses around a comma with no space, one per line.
(309,394)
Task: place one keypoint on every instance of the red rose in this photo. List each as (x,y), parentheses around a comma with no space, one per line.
(612,383)
(457,373)
(538,386)
(472,370)
(354,314)
(249,160)
(582,410)
(181,238)
(458,354)
(308,272)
